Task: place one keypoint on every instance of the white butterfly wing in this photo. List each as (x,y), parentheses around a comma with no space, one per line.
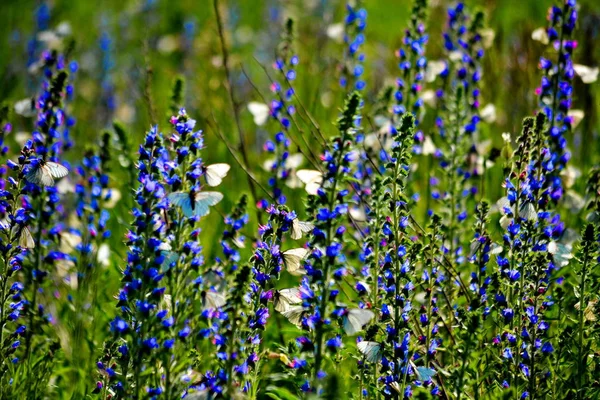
(300,227)
(312,180)
(259,111)
(40,175)
(424,373)
(587,74)
(213,300)
(215,173)
(56,170)
(292,259)
(577,116)
(356,319)
(285,298)
(540,35)
(25,239)
(336,32)
(294,315)
(25,107)
(371,350)
(204,200)
(294,160)
(527,211)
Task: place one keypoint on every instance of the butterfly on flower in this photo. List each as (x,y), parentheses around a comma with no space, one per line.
(294,314)
(300,227)
(284,299)
(371,350)
(25,239)
(212,300)
(43,173)
(195,203)
(292,259)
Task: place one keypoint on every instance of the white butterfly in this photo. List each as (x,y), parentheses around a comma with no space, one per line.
(103,255)
(423,373)
(294,314)
(312,180)
(577,116)
(587,74)
(336,32)
(527,211)
(45,172)
(294,160)
(487,37)
(589,312)
(300,227)
(428,146)
(200,206)
(26,107)
(283,299)
(358,214)
(371,350)
(215,173)
(540,35)
(292,260)
(25,239)
(215,279)
(429,97)
(259,111)
(355,319)
(488,113)
(455,55)
(560,252)
(212,300)
(434,68)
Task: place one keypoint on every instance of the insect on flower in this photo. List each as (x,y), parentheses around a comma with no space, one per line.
(371,350)
(195,203)
(284,299)
(292,259)
(44,172)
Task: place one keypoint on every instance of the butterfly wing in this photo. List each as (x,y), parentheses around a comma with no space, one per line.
(25,107)
(356,319)
(215,173)
(204,200)
(300,227)
(25,239)
(294,315)
(312,180)
(371,350)
(213,300)
(527,211)
(259,111)
(56,170)
(40,175)
(171,257)
(284,298)
(292,259)
(587,74)
(425,374)
(182,200)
